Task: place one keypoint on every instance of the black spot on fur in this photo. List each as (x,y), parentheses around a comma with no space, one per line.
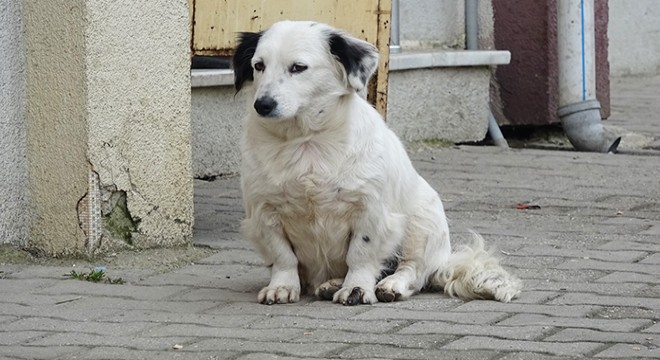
(366,238)
(247,44)
(389,266)
(349,54)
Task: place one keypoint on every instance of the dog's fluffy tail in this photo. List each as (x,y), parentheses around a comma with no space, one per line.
(475,273)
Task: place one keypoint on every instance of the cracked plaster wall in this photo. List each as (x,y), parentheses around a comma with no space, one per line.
(138,96)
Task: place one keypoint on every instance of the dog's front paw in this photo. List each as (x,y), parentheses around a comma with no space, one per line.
(355,296)
(279,295)
(392,289)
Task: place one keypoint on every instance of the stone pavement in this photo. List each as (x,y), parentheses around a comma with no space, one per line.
(589,258)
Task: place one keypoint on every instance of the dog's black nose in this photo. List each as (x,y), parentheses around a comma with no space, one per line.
(265,105)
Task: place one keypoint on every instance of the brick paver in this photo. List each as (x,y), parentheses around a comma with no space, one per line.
(588,258)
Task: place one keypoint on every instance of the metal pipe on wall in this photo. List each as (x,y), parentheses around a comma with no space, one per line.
(472,43)
(395,42)
(579,110)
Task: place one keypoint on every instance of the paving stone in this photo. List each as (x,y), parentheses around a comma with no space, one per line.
(616,256)
(489,343)
(119,353)
(623,351)
(7,318)
(233,256)
(125,291)
(220,296)
(412,340)
(395,352)
(572,335)
(266,356)
(504,332)
(311,309)
(17,337)
(594,299)
(95,304)
(626,312)
(367,326)
(204,331)
(455,316)
(589,264)
(21,286)
(52,311)
(426,301)
(561,275)
(42,352)
(604,288)
(566,322)
(93,340)
(480,307)
(58,325)
(280,348)
(653,329)
(535,356)
(631,245)
(626,277)
(162,317)
(652,259)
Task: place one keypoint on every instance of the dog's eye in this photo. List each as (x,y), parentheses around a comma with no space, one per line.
(260,66)
(297,68)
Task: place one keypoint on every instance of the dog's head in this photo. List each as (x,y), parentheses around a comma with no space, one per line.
(301,68)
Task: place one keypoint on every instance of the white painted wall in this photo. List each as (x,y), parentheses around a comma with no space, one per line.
(634,32)
(14,214)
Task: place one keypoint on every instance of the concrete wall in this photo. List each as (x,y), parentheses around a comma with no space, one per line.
(96,131)
(634,32)
(14,210)
(138,99)
(432,24)
(217,117)
(443,103)
(56,127)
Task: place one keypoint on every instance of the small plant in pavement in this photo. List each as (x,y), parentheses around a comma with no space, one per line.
(94,275)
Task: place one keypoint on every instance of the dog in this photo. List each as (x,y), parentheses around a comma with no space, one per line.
(332,201)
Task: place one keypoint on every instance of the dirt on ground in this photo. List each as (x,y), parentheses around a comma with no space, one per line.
(158,260)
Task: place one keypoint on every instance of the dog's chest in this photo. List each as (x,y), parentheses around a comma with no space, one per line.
(315,199)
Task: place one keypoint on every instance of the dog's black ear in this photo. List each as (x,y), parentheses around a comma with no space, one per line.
(247,44)
(359,58)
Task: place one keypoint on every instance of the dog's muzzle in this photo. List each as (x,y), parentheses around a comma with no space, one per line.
(265,105)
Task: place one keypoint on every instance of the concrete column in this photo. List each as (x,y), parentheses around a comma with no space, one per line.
(14,210)
(138,101)
(107,116)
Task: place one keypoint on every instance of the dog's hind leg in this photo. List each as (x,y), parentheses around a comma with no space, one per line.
(327,290)
(425,247)
(376,236)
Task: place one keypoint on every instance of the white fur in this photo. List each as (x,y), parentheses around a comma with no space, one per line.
(322,174)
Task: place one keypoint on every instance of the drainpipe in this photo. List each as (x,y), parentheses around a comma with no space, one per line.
(395,42)
(579,111)
(472,43)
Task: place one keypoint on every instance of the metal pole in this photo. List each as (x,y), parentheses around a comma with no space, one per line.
(395,43)
(472,43)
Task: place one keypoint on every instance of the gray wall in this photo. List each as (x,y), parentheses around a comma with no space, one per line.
(634,32)
(431,23)
(14,213)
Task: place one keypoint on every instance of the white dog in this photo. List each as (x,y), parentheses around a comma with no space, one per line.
(332,201)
